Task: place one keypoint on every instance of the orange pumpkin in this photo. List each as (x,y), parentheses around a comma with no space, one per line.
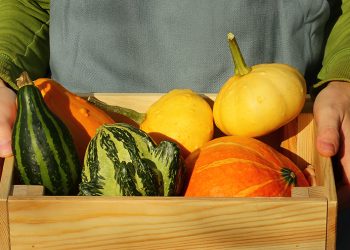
(81,117)
(237,166)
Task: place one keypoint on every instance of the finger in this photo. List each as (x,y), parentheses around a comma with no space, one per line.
(328,124)
(344,154)
(5,140)
(7,118)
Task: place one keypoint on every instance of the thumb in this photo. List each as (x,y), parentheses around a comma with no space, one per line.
(7,118)
(5,140)
(328,124)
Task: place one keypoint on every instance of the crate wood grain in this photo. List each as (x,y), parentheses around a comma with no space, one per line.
(307,220)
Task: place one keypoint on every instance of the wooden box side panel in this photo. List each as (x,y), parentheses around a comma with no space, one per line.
(5,187)
(323,170)
(301,142)
(177,223)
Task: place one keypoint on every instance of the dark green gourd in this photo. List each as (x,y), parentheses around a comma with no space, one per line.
(122,160)
(42,145)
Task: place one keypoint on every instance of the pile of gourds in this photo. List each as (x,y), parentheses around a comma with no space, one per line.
(72,146)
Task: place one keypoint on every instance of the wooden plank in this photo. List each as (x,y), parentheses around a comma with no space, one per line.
(331,239)
(137,101)
(331,194)
(175,223)
(5,187)
(27,190)
(299,145)
(307,151)
(305,140)
(308,192)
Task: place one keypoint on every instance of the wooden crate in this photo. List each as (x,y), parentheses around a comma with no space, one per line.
(307,220)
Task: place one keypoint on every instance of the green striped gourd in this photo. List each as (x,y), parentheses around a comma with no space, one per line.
(122,160)
(42,145)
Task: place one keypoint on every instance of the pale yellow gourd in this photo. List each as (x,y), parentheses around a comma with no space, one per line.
(259,99)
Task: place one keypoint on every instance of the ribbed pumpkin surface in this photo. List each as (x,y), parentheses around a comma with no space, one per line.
(234,166)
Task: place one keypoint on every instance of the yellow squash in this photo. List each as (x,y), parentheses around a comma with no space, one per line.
(259,99)
(183,116)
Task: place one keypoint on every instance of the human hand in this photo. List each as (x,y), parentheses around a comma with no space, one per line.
(7,117)
(332,117)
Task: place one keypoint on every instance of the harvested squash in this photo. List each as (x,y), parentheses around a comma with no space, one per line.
(237,166)
(42,145)
(259,99)
(122,160)
(81,117)
(181,115)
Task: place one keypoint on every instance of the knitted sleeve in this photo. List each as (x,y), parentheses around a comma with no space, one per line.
(336,61)
(24,39)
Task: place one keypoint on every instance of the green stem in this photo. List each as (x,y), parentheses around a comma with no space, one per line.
(240,66)
(132,114)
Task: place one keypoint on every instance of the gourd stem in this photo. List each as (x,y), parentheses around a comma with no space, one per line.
(240,66)
(130,113)
(24,80)
(289,176)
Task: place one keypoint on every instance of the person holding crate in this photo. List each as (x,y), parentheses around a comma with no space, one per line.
(155,46)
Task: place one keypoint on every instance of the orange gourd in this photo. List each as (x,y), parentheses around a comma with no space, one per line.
(81,117)
(236,166)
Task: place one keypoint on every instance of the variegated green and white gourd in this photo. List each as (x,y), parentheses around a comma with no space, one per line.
(122,160)
(42,145)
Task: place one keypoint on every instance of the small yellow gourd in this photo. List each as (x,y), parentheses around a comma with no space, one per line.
(181,115)
(259,99)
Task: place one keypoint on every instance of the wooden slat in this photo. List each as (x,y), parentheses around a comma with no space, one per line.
(307,151)
(5,187)
(172,223)
(27,190)
(305,148)
(325,167)
(309,192)
(137,101)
